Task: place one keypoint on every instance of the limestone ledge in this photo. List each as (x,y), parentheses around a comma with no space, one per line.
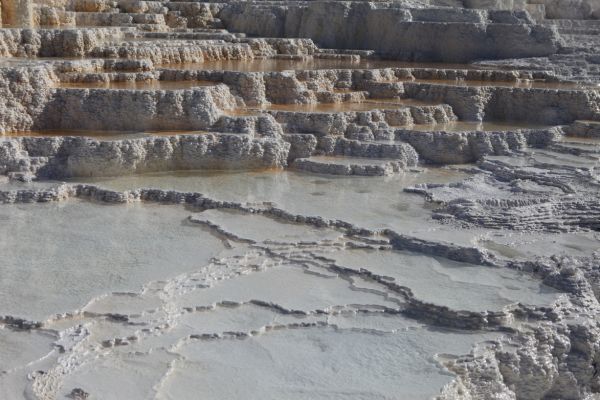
(585,129)
(436,34)
(555,198)
(24,94)
(544,106)
(126,110)
(34,104)
(553,360)
(550,106)
(172,53)
(112,42)
(379,168)
(55,42)
(56,157)
(463,147)
(365,125)
(60,157)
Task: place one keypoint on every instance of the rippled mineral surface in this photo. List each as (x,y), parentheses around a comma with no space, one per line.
(300,200)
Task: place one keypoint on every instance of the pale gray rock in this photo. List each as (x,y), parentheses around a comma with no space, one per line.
(238,92)
(53,42)
(350,166)
(58,157)
(453,35)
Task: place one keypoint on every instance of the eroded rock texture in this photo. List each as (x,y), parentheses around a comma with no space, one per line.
(299,200)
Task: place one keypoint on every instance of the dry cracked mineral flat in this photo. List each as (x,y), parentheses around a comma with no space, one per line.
(300,200)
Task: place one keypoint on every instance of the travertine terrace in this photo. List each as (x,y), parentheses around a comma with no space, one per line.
(300,199)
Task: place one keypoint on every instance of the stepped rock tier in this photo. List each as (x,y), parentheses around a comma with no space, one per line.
(322,199)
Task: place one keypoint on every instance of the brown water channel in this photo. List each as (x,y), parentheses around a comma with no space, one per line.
(137,85)
(466,126)
(274,64)
(458,126)
(97,134)
(523,84)
(364,105)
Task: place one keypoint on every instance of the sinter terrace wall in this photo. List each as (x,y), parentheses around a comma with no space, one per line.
(16,13)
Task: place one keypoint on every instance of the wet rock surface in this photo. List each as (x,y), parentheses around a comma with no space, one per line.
(328,200)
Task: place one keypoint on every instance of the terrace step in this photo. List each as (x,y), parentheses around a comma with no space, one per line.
(349,166)
(117,19)
(589,149)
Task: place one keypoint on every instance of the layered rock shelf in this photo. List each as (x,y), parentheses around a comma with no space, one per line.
(300,199)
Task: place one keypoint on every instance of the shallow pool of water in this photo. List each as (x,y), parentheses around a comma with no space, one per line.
(317,363)
(383,203)
(356,356)
(60,256)
(177,300)
(382,199)
(460,286)
(289,287)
